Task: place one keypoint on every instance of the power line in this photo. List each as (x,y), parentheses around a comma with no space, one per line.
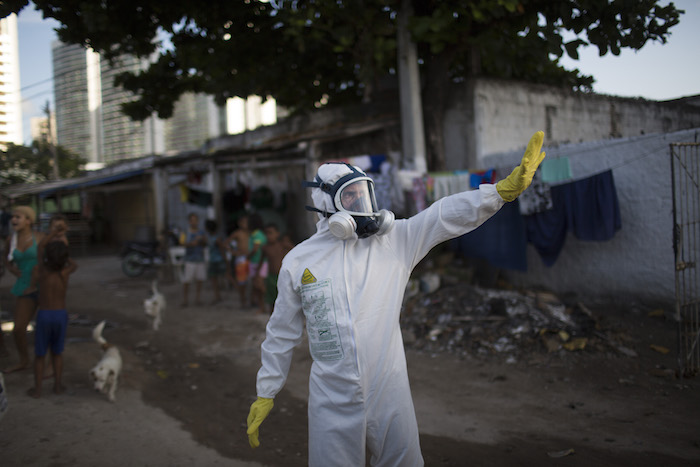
(36,84)
(77,68)
(52,78)
(34,96)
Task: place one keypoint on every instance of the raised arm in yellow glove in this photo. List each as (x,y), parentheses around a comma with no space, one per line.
(258,412)
(510,187)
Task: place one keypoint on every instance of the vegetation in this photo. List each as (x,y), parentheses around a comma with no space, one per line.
(314,53)
(34,164)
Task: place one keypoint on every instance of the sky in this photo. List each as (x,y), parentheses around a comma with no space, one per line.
(656,72)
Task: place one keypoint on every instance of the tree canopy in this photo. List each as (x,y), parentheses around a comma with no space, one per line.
(314,53)
(34,164)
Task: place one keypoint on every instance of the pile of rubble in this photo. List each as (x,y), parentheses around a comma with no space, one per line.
(466,319)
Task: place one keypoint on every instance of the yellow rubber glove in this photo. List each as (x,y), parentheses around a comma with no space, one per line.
(258,412)
(510,187)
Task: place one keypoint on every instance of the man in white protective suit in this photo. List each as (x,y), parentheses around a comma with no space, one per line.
(346,285)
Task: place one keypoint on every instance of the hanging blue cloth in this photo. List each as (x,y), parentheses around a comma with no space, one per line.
(501,240)
(588,208)
(593,209)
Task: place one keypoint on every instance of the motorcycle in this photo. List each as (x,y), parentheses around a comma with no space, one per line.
(139,256)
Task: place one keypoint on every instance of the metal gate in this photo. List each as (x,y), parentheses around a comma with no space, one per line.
(685,181)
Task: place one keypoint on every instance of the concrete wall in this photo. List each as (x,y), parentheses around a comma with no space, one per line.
(504,114)
(638,263)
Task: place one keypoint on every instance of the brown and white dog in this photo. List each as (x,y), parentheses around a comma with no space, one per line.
(154,306)
(105,374)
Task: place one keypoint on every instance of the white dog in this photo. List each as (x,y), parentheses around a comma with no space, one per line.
(106,373)
(154,306)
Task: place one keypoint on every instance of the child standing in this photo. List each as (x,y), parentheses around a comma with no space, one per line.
(194,267)
(238,269)
(258,268)
(52,274)
(217,262)
(21,257)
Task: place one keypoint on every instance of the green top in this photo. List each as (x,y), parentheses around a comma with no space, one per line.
(25,261)
(257,238)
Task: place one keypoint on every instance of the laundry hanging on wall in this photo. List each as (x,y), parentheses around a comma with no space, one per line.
(195,196)
(481,177)
(537,197)
(587,208)
(556,169)
(501,240)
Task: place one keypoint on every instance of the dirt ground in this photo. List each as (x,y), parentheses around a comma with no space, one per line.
(185,393)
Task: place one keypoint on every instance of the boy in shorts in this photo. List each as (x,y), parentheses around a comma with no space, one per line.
(52,272)
(239,265)
(195,269)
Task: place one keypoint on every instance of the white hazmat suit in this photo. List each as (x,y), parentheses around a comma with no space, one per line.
(348,294)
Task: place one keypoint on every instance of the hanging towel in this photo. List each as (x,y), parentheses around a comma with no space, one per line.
(588,208)
(556,169)
(593,209)
(184,192)
(441,186)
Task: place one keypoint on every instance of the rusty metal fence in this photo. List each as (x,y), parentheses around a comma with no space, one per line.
(685,182)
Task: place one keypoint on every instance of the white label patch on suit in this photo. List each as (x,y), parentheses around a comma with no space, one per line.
(321,325)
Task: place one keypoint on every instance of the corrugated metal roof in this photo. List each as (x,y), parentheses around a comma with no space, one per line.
(47,188)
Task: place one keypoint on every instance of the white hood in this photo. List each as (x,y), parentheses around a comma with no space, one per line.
(329,173)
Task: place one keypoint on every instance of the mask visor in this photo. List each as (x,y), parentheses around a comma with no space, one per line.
(356,197)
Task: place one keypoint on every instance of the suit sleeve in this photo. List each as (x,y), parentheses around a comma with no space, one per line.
(447,218)
(283,333)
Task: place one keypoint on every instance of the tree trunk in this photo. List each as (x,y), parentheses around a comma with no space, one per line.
(435,94)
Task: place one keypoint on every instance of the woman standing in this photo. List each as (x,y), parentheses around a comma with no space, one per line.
(21,258)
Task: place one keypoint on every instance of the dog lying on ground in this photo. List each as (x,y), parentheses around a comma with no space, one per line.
(106,373)
(154,306)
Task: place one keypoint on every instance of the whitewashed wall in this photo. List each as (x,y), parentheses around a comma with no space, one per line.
(638,263)
(491,116)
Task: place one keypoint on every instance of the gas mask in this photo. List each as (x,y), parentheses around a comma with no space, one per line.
(355,205)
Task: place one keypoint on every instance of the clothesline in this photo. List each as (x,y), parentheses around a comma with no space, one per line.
(607,149)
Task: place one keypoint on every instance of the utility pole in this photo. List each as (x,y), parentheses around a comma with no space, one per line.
(51,142)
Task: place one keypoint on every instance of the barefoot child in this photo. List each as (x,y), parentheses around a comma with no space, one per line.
(52,274)
(238,268)
(217,258)
(195,269)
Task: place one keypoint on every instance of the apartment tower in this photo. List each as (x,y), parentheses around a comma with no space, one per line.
(10,99)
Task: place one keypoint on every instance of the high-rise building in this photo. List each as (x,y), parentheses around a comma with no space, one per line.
(196,118)
(74,99)
(90,123)
(123,138)
(10,98)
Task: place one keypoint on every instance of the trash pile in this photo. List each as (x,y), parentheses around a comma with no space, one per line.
(466,319)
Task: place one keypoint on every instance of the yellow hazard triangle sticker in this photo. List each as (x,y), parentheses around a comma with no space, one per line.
(307,277)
